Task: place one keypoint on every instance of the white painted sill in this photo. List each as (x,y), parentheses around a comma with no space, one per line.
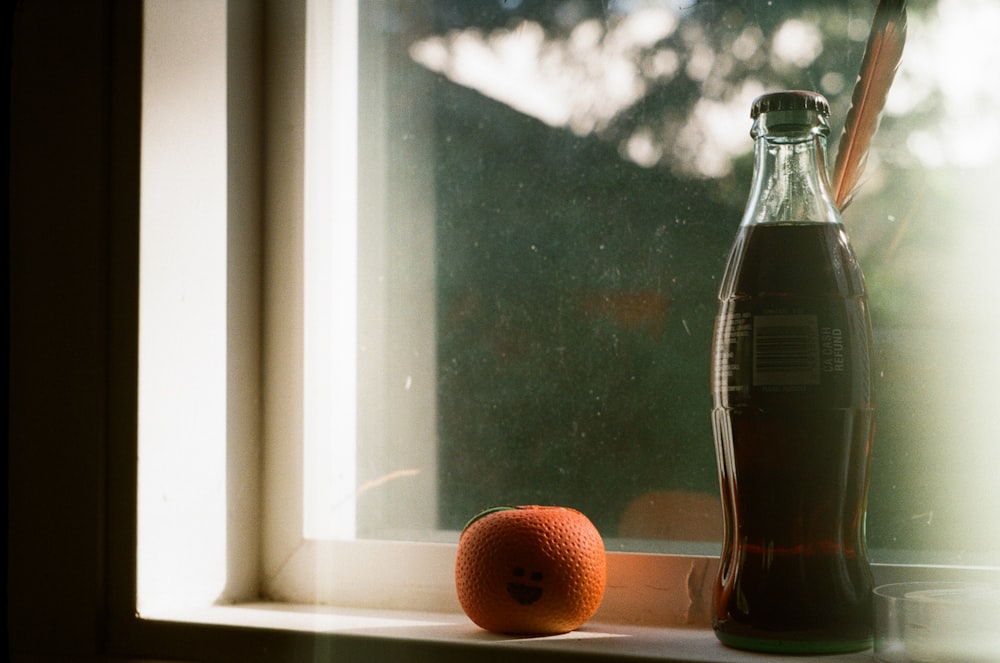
(450,636)
(656,608)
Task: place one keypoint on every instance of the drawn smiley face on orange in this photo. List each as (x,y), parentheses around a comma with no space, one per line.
(519,588)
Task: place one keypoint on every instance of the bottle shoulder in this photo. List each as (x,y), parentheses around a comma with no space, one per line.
(806,257)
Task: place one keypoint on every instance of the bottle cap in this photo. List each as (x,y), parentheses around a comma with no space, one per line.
(790,100)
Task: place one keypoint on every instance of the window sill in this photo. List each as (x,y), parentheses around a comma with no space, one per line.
(665,620)
(381,634)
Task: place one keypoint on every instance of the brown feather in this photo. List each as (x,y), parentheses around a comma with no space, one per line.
(878,68)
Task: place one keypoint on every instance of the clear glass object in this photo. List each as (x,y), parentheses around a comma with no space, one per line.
(937,621)
(792,394)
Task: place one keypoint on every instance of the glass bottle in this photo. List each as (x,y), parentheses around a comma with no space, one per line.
(792,402)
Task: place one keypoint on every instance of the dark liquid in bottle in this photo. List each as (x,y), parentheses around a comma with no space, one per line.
(791,382)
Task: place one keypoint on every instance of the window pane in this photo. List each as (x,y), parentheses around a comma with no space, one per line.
(548,195)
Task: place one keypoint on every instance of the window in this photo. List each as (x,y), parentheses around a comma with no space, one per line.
(576,163)
(515,302)
(75,155)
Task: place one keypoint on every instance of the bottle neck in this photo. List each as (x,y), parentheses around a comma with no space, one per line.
(790,182)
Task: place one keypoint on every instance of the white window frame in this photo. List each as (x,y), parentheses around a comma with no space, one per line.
(300,243)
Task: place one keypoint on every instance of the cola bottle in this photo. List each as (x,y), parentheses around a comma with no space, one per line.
(792,417)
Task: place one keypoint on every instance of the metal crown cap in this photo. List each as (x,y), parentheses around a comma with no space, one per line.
(790,100)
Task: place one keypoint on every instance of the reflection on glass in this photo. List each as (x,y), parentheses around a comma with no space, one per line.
(581,167)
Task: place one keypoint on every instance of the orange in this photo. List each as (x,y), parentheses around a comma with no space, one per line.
(532,570)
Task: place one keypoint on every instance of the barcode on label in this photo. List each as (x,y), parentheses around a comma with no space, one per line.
(785,350)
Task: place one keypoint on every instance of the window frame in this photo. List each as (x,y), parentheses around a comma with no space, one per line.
(72,477)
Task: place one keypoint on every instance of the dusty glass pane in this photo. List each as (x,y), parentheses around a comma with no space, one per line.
(580,169)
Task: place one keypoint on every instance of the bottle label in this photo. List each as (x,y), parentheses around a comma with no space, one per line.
(818,354)
(786,350)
